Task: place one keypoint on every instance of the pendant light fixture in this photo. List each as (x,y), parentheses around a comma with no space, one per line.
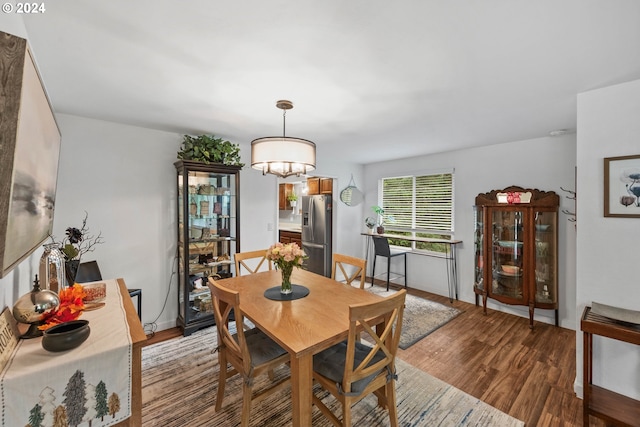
(283,155)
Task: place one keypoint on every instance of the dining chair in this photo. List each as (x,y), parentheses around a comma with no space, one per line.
(250,353)
(341,261)
(252,261)
(89,271)
(352,369)
(382,248)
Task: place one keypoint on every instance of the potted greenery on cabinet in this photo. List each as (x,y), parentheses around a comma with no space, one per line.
(209,149)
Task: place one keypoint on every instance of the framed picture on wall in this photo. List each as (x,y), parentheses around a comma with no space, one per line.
(28,158)
(622,186)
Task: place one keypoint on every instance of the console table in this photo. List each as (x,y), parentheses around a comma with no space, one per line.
(111,358)
(450,257)
(597,401)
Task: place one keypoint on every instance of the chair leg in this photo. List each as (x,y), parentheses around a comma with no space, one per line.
(388,271)
(391,403)
(405,271)
(222,380)
(246,404)
(346,413)
(373,271)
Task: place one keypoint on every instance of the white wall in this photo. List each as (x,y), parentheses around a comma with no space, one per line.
(544,163)
(12,23)
(123,177)
(608,126)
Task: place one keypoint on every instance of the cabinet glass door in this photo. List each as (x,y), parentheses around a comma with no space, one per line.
(207,236)
(479,248)
(507,257)
(545,257)
(211,218)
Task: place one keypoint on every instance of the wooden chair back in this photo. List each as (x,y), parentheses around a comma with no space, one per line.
(360,369)
(341,261)
(250,353)
(384,336)
(226,301)
(253,261)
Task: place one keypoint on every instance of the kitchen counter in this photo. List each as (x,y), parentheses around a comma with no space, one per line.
(295,228)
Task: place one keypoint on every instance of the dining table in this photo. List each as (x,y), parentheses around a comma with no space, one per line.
(303,326)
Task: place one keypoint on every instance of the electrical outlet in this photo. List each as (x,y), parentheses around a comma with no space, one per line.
(269,226)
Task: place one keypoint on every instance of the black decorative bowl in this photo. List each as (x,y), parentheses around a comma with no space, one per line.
(66,336)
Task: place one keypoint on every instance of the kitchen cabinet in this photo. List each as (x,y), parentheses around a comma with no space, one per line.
(313,186)
(516,248)
(208,235)
(317,185)
(284,190)
(290,237)
(326,186)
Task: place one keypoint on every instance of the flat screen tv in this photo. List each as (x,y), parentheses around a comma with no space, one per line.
(29,154)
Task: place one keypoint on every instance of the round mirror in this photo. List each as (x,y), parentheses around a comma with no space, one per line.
(351,196)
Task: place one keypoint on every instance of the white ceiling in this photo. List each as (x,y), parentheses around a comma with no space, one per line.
(370,79)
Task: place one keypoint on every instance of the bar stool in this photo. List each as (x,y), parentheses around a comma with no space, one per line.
(381,248)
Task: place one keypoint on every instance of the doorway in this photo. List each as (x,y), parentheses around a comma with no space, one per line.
(305,216)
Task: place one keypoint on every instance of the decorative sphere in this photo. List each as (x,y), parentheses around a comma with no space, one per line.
(32,307)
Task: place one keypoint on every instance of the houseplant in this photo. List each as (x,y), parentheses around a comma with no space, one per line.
(380,214)
(293,199)
(209,149)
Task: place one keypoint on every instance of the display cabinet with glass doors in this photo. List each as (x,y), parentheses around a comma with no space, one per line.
(208,236)
(516,248)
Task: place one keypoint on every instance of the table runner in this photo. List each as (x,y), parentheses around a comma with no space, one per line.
(97,375)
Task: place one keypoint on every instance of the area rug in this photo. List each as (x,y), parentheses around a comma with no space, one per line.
(421,316)
(179,385)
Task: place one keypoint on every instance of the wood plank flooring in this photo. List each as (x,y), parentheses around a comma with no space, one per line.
(526,373)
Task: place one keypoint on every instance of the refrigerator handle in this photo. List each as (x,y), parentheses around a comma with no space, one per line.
(312,225)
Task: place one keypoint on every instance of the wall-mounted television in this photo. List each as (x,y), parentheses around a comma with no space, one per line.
(29,155)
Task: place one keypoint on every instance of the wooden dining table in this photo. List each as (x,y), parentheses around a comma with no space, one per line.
(302,326)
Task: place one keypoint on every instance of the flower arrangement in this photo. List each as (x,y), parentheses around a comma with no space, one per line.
(77,242)
(285,257)
(70,308)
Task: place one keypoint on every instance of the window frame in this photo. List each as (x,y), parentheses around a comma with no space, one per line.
(434,249)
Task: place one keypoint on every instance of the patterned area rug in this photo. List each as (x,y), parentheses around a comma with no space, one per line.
(421,316)
(179,385)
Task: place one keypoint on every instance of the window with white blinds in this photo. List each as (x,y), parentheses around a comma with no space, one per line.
(421,206)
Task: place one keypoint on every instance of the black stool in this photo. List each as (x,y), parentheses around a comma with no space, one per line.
(382,249)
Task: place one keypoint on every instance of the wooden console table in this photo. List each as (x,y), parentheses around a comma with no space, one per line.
(597,401)
(35,378)
(450,256)
(138,339)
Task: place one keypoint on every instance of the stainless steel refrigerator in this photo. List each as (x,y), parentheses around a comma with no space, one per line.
(316,233)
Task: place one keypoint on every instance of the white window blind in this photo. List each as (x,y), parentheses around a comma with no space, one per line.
(422,203)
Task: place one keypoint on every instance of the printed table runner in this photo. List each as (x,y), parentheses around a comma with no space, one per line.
(89,385)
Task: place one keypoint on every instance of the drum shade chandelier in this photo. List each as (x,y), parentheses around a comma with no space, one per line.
(283,155)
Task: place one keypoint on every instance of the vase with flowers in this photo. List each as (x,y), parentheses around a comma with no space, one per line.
(76,243)
(285,257)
